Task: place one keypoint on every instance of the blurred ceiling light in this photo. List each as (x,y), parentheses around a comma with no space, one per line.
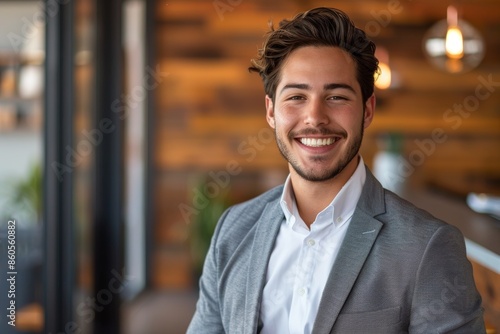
(454,45)
(384,78)
(454,41)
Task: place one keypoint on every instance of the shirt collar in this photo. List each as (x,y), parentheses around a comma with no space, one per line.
(287,201)
(340,209)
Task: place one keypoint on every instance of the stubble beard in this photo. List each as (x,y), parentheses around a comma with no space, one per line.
(326,174)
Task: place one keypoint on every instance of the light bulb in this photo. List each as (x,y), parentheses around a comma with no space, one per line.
(454,40)
(454,43)
(384,79)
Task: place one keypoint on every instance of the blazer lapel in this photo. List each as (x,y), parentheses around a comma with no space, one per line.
(360,237)
(265,235)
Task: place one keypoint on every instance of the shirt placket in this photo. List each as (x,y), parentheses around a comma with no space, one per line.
(300,306)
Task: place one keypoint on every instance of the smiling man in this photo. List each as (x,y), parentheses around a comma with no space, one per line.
(330,251)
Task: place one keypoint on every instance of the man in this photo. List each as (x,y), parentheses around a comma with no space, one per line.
(331,251)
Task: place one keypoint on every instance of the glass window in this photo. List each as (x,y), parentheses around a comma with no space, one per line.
(22,56)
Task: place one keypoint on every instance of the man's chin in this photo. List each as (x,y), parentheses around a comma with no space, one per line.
(318,176)
(324,173)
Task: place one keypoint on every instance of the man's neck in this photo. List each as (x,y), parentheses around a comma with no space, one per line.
(312,197)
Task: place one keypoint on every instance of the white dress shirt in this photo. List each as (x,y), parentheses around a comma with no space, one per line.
(302,259)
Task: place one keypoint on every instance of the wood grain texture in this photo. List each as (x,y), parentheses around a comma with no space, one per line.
(210,109)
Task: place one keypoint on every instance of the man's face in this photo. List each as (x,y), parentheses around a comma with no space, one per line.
(317,113)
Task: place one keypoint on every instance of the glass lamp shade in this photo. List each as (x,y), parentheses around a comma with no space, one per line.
(457,53)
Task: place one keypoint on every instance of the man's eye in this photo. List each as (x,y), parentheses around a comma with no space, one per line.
(337,98)
(296,98)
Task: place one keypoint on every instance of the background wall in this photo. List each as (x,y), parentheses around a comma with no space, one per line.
(210,119)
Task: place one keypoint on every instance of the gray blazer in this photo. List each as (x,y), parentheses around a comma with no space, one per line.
(399,270)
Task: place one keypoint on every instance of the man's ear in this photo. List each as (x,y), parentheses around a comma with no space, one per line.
(369,111)
(270,112)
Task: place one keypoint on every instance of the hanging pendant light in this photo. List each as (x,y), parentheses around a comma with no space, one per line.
(454,40)
(453,45)
(383,79)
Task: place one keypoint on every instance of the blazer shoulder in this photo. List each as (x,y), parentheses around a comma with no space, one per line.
(240,218)
(400,211)
(256,205)
(394,212)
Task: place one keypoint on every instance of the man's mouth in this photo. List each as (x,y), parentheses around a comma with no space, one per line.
(318,142)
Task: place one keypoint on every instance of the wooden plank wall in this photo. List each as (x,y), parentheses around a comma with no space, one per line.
(210,110)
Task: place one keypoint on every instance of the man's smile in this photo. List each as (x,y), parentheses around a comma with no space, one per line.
(318,142)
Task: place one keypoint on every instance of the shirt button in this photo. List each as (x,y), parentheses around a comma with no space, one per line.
(302,292)
(311,242)
(339,219)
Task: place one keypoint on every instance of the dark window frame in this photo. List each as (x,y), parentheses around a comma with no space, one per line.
(107,182)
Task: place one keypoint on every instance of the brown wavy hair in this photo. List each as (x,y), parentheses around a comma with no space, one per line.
(317,27)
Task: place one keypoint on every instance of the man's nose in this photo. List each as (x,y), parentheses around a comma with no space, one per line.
(315,113)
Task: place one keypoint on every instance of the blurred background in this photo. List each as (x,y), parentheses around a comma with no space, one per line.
(127,127)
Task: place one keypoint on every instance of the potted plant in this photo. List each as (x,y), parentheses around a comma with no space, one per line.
(24,196)
(202,225)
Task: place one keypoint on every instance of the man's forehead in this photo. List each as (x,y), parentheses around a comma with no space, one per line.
(318,67)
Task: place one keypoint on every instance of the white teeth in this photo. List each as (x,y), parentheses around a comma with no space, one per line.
(317,142)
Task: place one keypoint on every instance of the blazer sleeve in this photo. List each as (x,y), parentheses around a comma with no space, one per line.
(207,317)
(445,299)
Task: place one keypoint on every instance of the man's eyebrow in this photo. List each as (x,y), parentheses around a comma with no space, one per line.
(328,86)
(295,85)
(331,86)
